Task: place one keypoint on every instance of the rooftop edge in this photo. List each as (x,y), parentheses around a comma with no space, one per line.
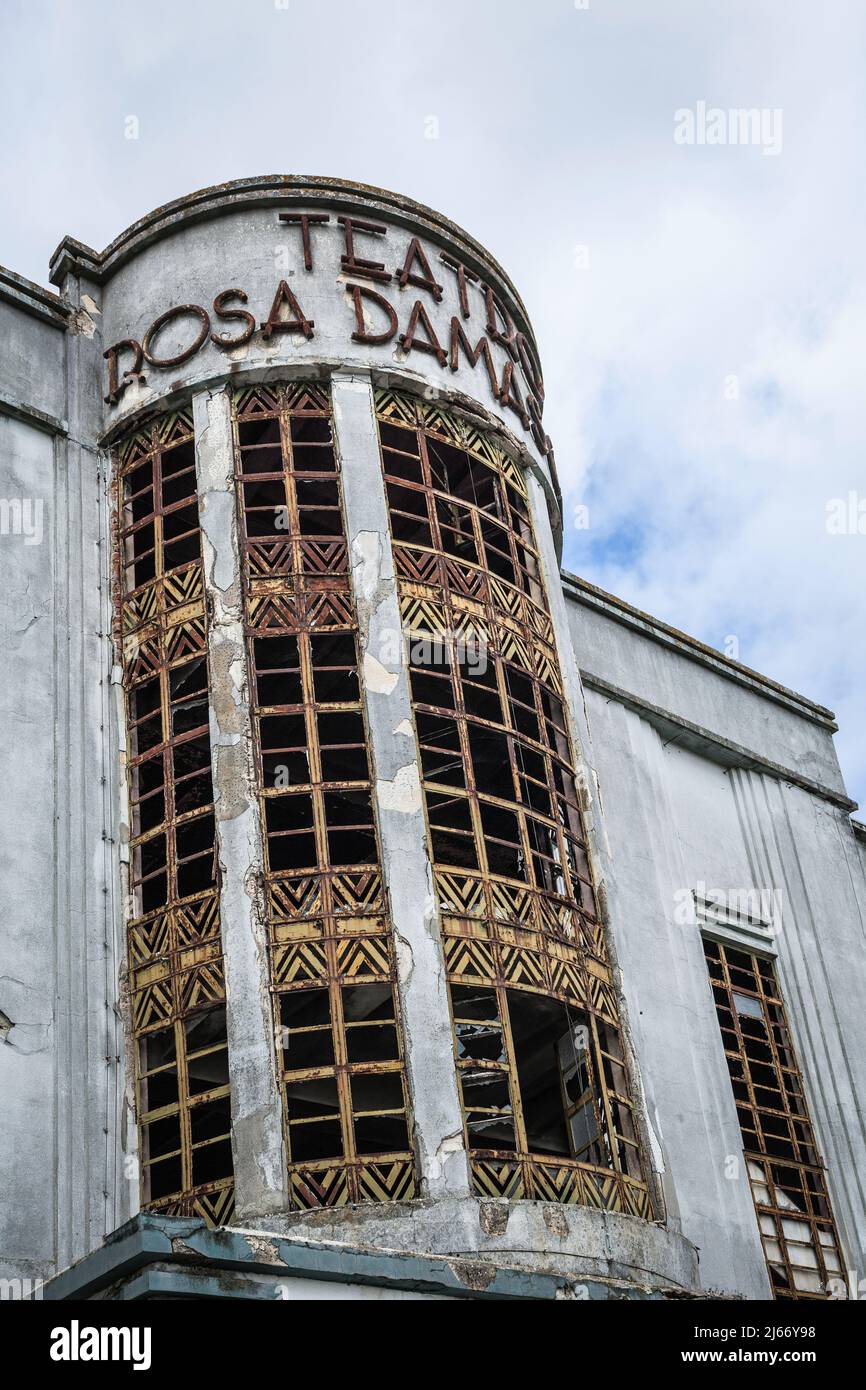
(695,649)
(207,202)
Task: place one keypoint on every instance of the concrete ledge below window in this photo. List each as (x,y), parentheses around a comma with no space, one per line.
(155,1256)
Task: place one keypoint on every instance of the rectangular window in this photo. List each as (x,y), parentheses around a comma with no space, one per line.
(331,956)
(175,956)
(538,1052)
(787,1178)
(526,1076)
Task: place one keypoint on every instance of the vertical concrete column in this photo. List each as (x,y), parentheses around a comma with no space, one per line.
(257,1133)
(438,1123)
(91,1194)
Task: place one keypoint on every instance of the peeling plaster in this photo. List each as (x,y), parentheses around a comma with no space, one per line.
(402,793)
(265,1250)
(493,1217)
(370,586)
(474,1274)
(654,1130)
(180,1247)
(377,678)
(555,1220)
(227,700)
(232,789)
(80,324)
(217,518)
(405,959)
(449,1147)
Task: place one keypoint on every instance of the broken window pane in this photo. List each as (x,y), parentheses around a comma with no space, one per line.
(503,811)
(787,1178)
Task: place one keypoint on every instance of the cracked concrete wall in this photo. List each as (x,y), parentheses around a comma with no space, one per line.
(675,819)
(436,1115)
(63,1120)
(257,1136)
(27,952)
(545,1237)
(678,815)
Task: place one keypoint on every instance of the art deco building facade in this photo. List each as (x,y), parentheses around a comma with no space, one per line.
(384,907)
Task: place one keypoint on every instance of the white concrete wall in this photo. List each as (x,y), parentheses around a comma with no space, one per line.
(63,1120)
(27,853)
(677,817)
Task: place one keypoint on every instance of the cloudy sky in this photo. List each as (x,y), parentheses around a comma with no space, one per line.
(700,308)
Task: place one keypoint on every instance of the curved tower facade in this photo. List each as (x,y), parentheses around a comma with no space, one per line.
(330,886)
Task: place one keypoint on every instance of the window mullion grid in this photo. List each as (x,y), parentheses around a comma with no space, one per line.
(516,805)
(342,1069)
(293,530)
(774,1208)
(465,748)
(523,810)
(159,754)
(520,1136)
(184,1097)
(605,1096)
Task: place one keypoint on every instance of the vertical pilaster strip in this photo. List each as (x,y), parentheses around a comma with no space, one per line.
(89,1143)
(257,1130)
(437,1118)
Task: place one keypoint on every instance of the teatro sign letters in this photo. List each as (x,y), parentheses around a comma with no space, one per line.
(481,335)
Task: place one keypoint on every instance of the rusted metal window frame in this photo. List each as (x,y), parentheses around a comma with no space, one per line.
(188,1101)
(499,932)
(174,947)
(730,977)
(328,926)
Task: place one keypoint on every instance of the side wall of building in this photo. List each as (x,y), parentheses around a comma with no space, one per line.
(714,789)
(61,1074)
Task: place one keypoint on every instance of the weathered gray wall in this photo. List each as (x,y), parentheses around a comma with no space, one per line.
(62,1114)
(684,813)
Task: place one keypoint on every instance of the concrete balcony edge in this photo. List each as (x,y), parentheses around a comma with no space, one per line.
(155,1256)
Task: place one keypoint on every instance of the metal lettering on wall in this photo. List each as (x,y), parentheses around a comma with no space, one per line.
(480,333)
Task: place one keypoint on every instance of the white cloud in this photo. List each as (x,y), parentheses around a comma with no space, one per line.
(555,131)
